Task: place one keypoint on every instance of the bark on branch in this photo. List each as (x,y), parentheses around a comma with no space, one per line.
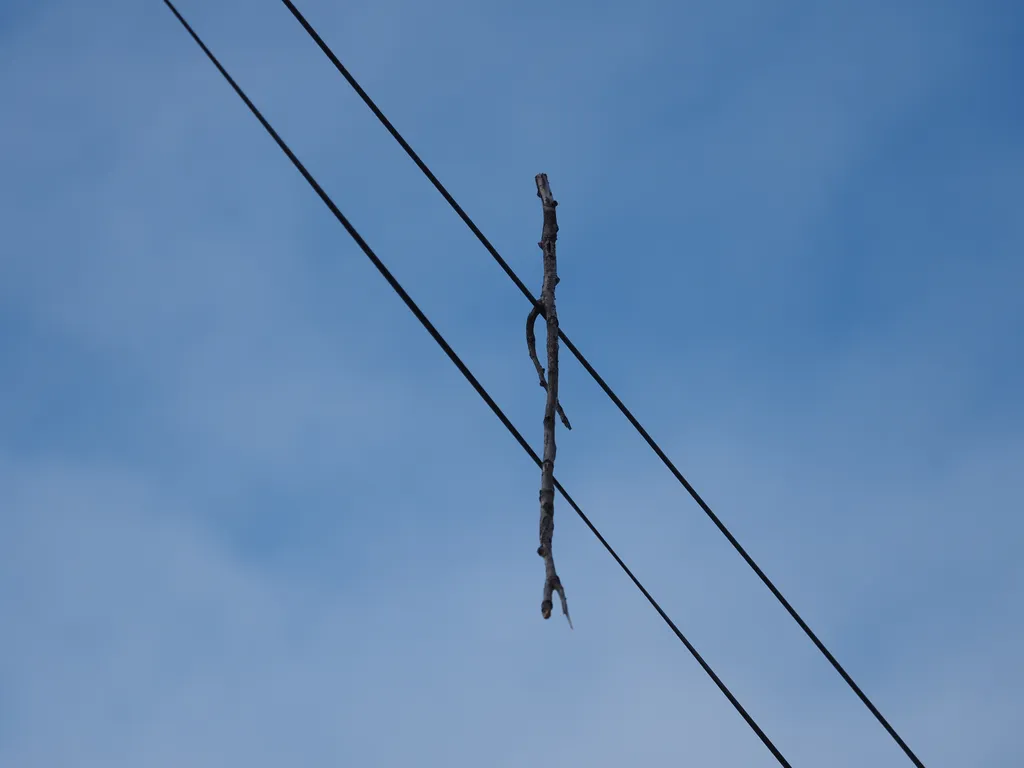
(549,235)
(531,343)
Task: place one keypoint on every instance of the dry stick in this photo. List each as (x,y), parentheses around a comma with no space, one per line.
(531,344)
(547,474)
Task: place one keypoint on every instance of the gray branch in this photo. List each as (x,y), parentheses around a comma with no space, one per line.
(549,235)
(531,344)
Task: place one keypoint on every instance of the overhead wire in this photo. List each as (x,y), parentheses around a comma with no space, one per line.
(436,335)
(818,643)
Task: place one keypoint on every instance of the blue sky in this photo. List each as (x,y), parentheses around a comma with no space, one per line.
(251,515)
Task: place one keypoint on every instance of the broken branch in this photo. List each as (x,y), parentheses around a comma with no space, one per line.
(549,235)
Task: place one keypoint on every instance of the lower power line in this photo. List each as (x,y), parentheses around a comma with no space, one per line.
(436,335)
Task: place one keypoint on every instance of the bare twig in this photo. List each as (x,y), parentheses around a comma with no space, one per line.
(531,344)
(549,235)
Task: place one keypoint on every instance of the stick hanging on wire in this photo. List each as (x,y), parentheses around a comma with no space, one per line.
(549,235)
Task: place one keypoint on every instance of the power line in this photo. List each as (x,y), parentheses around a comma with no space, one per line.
(425,322)
(604,385)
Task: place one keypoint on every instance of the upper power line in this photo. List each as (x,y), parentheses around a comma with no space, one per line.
(453,356)
(604,385)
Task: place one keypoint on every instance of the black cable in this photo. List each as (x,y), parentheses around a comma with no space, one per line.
(393,282)
(601,382)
